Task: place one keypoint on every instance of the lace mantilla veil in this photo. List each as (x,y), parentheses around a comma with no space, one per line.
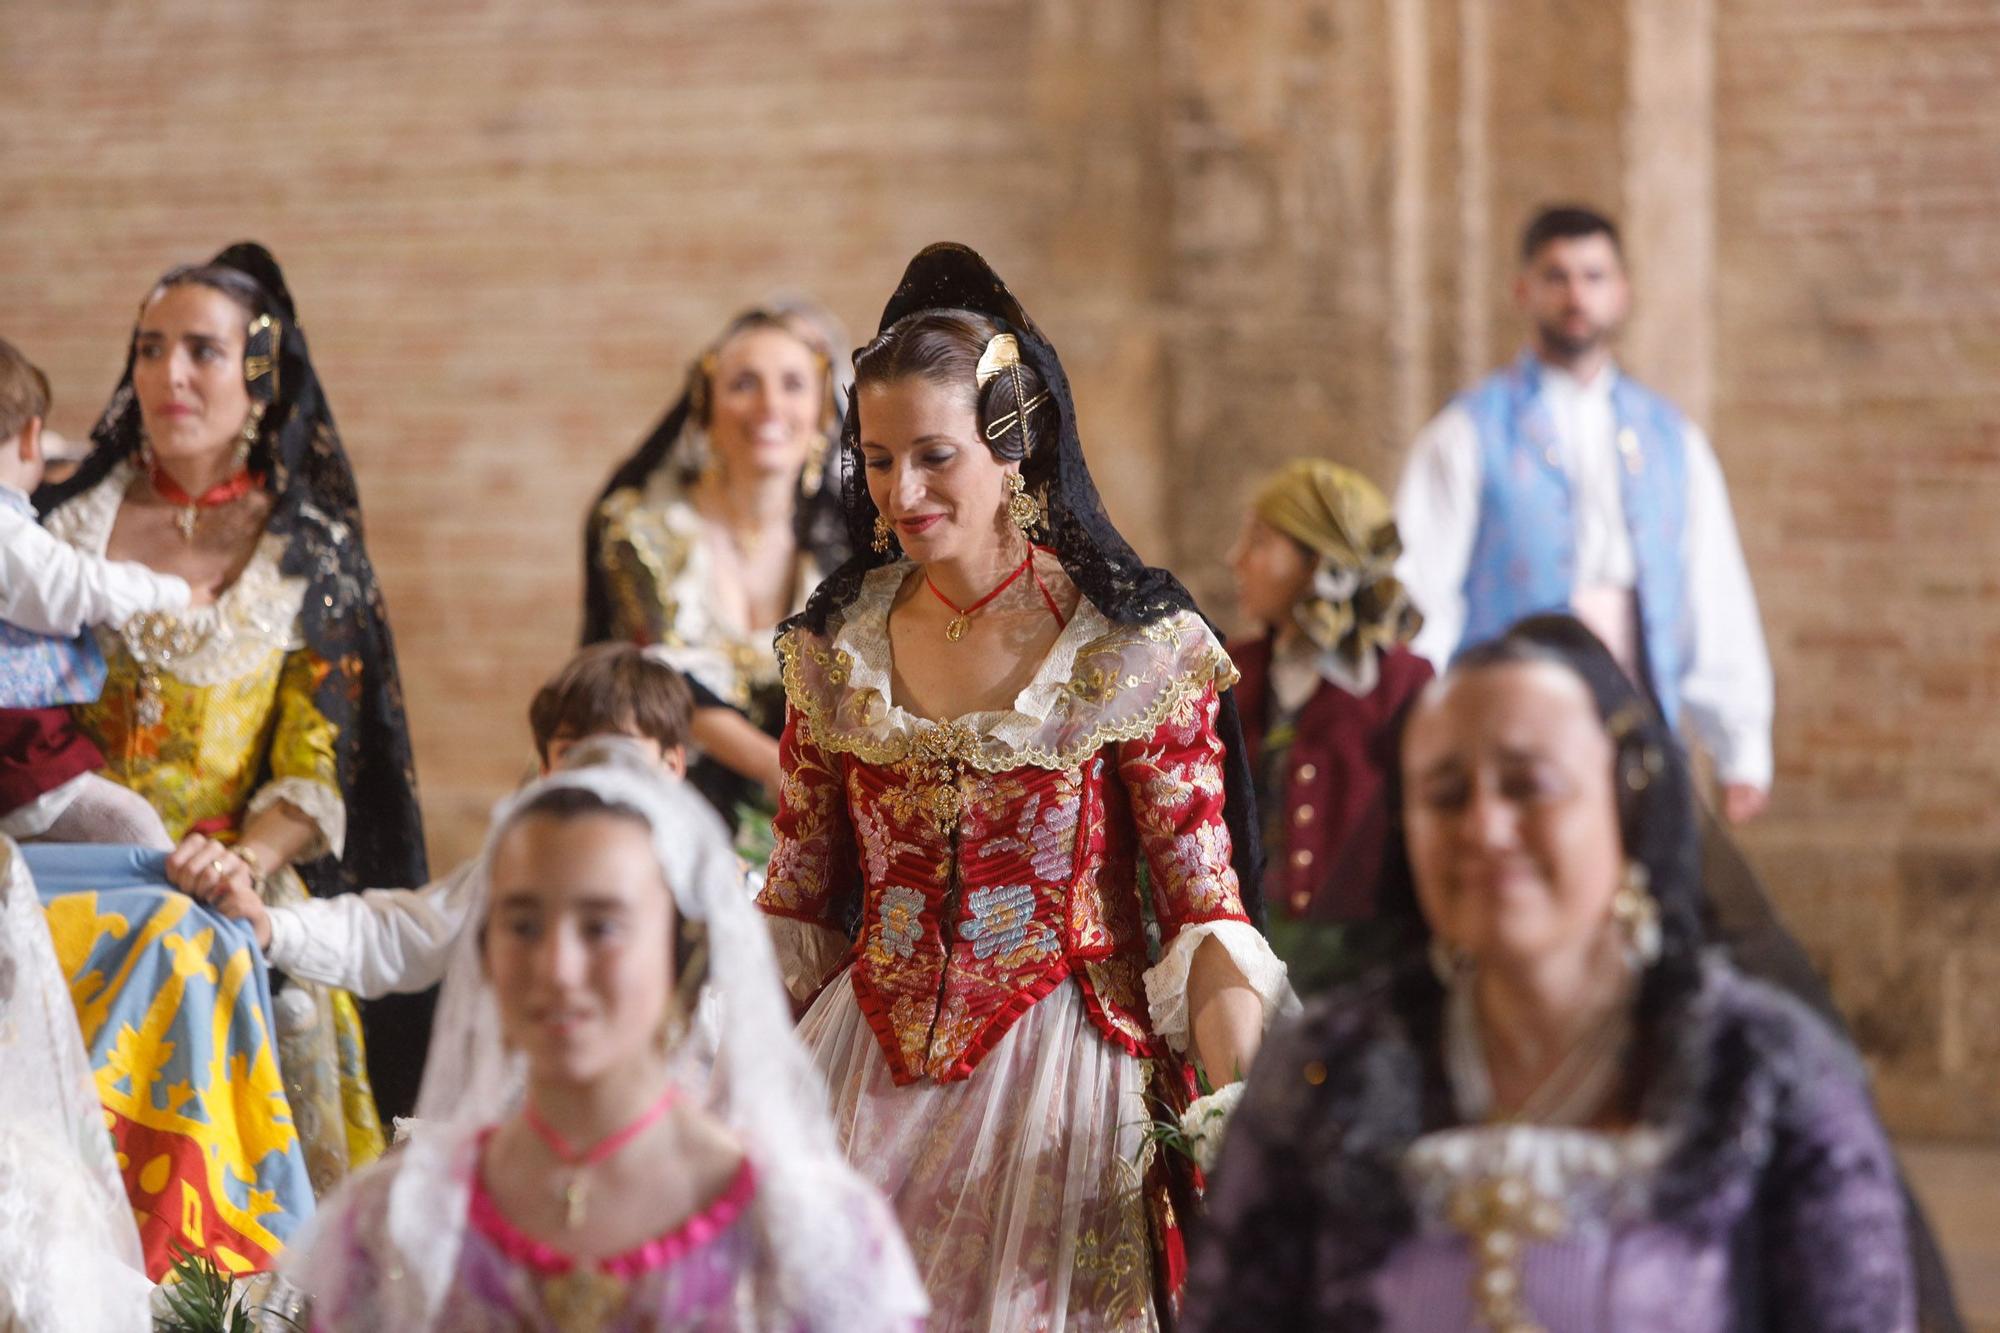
(1095,556)
(831,1273)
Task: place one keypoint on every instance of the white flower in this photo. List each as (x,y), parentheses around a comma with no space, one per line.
(1206,1121)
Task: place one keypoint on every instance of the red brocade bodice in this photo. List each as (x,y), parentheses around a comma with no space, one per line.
(979,863)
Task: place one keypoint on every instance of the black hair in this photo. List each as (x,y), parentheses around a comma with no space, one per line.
(233,283)
(944,347)
(1563,222)
(1656,809)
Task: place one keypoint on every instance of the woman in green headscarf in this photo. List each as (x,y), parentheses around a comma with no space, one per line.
(1325,674)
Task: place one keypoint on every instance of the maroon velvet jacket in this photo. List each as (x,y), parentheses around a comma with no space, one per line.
(1334,824)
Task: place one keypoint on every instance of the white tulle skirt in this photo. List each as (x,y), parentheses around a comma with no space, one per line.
(1018,1187)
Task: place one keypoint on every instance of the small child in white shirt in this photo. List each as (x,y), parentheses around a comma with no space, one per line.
(50,592)
(384,941)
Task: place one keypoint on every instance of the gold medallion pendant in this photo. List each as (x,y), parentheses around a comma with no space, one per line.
(583,1300)
(961,619)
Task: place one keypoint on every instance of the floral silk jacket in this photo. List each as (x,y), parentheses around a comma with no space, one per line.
(976,864)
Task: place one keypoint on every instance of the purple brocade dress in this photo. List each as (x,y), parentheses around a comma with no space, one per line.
(1756,1194)
(1524,1227)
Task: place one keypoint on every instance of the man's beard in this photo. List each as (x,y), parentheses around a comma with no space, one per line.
(1569,346)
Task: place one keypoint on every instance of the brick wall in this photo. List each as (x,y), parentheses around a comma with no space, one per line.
(1256,230)
(1858,414)
(509,225)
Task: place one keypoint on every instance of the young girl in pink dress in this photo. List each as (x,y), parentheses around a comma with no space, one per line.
(620,1196)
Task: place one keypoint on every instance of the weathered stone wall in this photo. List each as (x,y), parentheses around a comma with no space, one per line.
(1857,307)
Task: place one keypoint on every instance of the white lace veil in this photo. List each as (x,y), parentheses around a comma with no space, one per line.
(840,1262)
(69,1253)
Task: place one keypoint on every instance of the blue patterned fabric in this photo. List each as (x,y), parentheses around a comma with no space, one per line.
(37,670)
(41,671)
(175,1006)
(1524,556)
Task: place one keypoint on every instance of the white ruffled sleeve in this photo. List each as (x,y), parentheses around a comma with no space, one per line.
(1167,980)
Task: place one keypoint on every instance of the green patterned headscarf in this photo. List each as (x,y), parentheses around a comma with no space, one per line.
(1355,604)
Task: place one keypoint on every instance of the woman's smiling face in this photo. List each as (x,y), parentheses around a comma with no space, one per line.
(766,394)
(929,472)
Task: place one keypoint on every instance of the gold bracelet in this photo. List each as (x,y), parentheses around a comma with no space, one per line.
(248,856)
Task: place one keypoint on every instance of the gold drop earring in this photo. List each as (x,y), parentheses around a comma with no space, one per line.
(248,438)
(1023,510)
(881,542)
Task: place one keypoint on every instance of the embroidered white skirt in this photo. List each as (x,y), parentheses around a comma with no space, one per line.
(1017,1187)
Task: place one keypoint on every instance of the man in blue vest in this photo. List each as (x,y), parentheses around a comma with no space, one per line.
(1560,483)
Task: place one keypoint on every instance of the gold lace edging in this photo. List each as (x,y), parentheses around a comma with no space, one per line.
(1206,667)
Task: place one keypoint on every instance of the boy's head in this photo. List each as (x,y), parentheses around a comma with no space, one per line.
(613,689)
(24,405)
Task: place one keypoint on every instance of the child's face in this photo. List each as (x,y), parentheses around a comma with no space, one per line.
(579,944)
(1272,572)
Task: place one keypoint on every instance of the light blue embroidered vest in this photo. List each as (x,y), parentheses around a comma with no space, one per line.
(1524,556)
(37,670)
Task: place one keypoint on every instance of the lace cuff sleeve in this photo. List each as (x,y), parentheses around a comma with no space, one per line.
(316,801)
(304,771)
(1167,980)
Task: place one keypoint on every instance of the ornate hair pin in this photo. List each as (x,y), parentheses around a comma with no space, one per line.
(1002,350)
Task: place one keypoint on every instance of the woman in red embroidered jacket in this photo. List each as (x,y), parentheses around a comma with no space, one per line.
(997,715)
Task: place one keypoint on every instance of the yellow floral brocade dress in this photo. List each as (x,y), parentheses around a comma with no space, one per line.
(209,713)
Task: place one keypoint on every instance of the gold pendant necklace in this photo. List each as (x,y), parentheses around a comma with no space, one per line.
(956,627)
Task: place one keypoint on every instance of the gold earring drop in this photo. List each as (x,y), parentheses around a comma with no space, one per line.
(1636,912)
(1023,511)
(248,438)
(881,542)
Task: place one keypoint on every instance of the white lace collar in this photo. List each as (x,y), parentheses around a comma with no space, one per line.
(256,613)
(1589,1176)
(1098,684)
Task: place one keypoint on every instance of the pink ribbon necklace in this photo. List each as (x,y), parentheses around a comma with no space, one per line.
(576,1194)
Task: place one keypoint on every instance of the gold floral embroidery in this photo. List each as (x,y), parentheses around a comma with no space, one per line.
(1118,687)
(932,772)
(641,556)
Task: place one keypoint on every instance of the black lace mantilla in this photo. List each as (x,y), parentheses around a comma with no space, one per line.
(1094,555)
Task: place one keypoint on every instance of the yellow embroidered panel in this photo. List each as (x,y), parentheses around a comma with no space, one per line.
(196,751)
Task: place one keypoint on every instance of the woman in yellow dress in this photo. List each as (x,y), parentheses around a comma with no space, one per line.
(265,723)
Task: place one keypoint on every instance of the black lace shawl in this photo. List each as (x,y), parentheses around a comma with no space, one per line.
(318,510)
(1094,555)
(817,522)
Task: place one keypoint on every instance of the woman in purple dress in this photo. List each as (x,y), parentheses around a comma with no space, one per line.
(1557,1115)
